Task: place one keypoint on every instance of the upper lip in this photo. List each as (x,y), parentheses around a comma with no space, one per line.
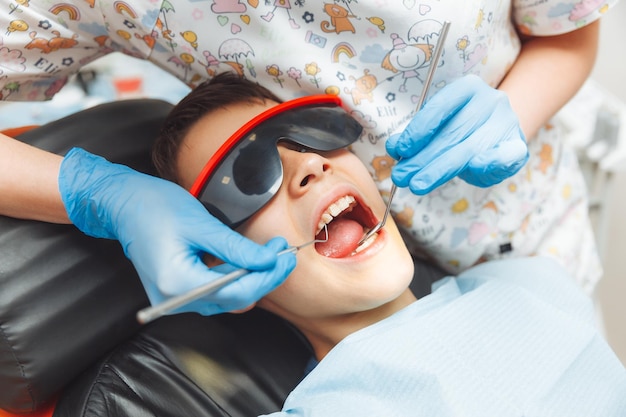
(360,210)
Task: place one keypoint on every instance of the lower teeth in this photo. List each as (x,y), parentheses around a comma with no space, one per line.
(365,244)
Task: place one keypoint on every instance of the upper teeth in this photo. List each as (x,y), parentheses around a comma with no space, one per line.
(335,209)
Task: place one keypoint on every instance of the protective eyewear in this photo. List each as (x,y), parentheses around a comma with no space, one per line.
(246,171)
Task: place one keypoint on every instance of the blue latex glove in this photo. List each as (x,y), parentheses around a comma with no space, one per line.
(165,231)
(468,129)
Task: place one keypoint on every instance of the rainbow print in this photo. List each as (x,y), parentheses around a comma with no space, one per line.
(343,48)
(124,8)
(71,10)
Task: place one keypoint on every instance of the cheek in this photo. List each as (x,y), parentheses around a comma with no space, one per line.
(271,221)
(298,296)
(314,289)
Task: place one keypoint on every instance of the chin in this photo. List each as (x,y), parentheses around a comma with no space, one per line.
(390,273)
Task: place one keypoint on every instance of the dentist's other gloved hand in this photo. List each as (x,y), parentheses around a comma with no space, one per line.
(468,129)
(165,231)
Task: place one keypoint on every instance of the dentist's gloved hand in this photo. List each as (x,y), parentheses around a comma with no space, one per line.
(468,129)
(164,231)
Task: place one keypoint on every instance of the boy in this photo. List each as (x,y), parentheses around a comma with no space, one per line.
(505,338)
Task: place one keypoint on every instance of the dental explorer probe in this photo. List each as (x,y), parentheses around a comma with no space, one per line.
(151,313)
(429,78)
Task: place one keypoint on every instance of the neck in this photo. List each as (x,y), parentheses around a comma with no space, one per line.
(324,334)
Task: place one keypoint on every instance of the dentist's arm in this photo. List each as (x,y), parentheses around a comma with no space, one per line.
(478,133)
(28,182)
(162,228)
(548,73)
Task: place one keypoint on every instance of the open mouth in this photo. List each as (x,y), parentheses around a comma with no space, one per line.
(347,222)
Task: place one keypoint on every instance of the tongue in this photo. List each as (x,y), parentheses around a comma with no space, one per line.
(343,238)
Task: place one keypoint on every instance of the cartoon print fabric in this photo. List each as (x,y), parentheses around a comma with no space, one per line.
(372,53)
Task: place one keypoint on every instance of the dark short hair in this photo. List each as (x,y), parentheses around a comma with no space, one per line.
(220,91)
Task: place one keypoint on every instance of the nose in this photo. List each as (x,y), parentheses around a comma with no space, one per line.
(301,169)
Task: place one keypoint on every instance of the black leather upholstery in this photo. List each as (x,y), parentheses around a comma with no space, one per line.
(67,306)
(66,299)
(189,365)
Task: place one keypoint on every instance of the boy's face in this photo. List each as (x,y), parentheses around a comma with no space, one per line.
(326,283)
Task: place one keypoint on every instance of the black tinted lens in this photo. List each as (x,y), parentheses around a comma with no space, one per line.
(238,189)
(317,128)
(255,169)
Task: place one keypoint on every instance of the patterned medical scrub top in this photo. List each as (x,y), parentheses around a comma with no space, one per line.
(372,53)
